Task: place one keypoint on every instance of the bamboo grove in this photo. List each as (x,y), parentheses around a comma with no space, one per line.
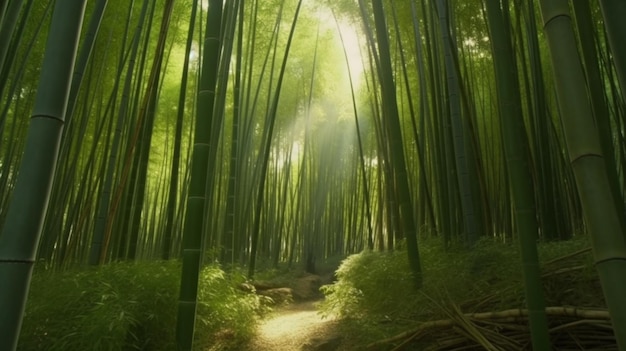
(253,133)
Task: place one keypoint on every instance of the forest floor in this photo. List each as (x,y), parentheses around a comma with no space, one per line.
(297,326)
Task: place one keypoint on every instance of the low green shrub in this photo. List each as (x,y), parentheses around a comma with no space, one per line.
(226,316)
(375,295)
(130,306)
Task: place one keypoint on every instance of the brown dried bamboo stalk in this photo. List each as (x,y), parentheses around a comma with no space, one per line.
(556,311)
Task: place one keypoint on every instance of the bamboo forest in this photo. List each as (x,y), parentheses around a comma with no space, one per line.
(312,175)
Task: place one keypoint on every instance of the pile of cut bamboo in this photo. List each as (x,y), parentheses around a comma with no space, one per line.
(570,329)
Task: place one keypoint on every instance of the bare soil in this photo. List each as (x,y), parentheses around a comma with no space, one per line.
(296,327)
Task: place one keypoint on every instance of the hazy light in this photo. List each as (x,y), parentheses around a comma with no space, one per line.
(469,42)
(351,41)
(193,55)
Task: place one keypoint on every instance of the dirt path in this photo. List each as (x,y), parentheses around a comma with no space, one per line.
(296,327)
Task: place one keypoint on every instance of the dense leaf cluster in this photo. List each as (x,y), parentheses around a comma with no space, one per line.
(130,306)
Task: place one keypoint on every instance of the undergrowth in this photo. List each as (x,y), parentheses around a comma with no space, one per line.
(375,295)
(132,306)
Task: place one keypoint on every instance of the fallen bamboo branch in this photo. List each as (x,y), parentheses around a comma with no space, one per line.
(568,256)
(563,271)
(510,315)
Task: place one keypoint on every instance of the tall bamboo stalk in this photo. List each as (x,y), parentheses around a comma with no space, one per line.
(516,154)
(398,163)
(21,232)
(271,119)
(195,217)
(587,162)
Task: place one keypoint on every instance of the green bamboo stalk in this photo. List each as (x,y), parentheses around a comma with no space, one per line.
(434,106)
(147,115)
(613,12)
(311,244)
(27,210)
(398,162)
(516,154)
(550,215)
(69,159)
(18,126)
(85,53)
(587,162)
(3,9)
(365,183)
(423,181)
(103,218)
(265,153)
(597,94)
(458,129)
(196,198)
(8,22)
(127,190)
(216,146)
(5,68)
(228,233)
(172,193)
